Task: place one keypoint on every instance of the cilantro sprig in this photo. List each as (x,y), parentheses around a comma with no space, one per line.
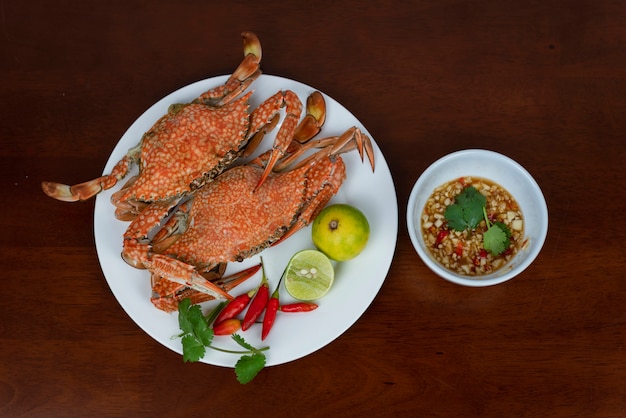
(497,238)
(466,213)
(197,336)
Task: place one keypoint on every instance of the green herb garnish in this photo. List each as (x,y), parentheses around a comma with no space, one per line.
(248,366)
(467,211)
(197,335)
(497,238)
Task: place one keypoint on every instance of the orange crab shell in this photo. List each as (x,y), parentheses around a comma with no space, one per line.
(231,221)
(189,138)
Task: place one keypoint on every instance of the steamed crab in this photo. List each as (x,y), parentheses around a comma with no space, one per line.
(196,141)
(230,219)
(186,172)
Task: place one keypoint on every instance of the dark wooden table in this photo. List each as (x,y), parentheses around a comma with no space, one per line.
(543,82)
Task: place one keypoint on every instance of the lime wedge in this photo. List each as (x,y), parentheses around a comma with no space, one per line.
(309,275)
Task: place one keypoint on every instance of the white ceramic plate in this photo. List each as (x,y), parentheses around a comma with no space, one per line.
(294,335)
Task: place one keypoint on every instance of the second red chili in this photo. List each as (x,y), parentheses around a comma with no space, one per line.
(270,313)
(258,304)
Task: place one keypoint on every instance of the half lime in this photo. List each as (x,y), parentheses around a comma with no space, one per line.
(309,275)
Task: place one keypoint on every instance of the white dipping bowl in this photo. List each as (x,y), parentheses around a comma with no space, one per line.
(501,170)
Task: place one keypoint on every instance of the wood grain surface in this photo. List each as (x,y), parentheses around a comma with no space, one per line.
(543,82)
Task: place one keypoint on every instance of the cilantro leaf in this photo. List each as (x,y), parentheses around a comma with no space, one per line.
(504,228)
(203,333)
(197,336)
(196,333)
(248,367)
(193,349)
(183,320)
(239,340)
(192,322)
(472,202)
(454,216)
(467,211)
(497,238)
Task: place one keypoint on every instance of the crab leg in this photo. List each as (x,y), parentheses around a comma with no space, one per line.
(291,129)
(229,282)
(88,189)
(300,149)
(265,119)
(354,138)
(351,139)
(265,115)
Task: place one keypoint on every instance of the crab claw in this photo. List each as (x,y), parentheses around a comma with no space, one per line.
(314,119)
(88,189)
(290,139)
(243,76)
(284,136)
(68,193)
(77,192)
(251,45)
(185,274)
(167,294)
(252,57)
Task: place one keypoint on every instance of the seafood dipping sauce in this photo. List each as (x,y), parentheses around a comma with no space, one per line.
(462,252)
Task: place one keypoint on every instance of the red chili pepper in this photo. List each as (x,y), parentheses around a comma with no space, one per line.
(441,236)
(235,307)
(270,313)
(459,248)
(298,307)
(259,302)
(481,254)
(227,327)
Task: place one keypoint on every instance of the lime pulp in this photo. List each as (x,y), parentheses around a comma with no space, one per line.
(309,275)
